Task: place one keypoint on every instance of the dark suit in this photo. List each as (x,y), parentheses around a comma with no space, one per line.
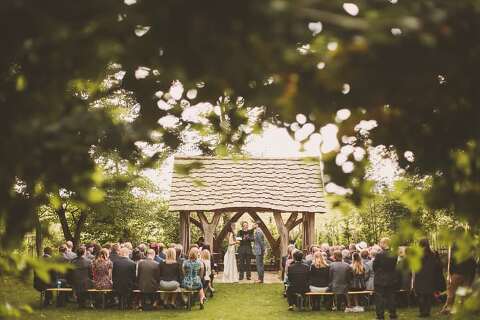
(41,285)
(385,282)
(245,252)
(114,257)
(340,275)
(81,279)
(148,278)
(428,280)
(123,278)
(298,279)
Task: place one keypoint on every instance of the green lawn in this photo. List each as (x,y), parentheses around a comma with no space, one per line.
(231,302)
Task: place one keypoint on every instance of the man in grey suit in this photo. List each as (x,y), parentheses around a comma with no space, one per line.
(148,279)
(340,276)
(259,250)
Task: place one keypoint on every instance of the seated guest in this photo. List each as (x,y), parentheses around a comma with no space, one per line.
(169,275)
(368,264)
(81,277)
(428,279)
(102,271)
(298,279)
(69,254)
(346,256)
(123,276)
(385,281)
(114,250)
(358,282)
(41,285)
(213,268)
(193,271)
(161,254)
(340,277)
(319,277)
(148,278)
(62,277)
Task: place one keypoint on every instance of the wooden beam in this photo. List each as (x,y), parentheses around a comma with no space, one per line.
(196,223)
(209,227)
(282,231)
(271,240)
(185,230)
(223,233)
(308,229)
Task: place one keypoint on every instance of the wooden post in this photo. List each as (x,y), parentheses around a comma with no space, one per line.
(282,231)
(308,229)
(185,230)
(209,227)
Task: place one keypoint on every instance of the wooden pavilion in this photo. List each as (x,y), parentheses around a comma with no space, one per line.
(232,187)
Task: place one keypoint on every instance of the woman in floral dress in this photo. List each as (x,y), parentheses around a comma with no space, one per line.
(102,271)
(192,270)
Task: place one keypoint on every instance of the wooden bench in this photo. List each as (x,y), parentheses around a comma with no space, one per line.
(309,295)
(103,292)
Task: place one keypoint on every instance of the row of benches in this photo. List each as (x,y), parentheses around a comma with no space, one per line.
(104,292)
(309,295)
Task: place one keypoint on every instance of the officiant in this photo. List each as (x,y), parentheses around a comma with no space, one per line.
(245,238)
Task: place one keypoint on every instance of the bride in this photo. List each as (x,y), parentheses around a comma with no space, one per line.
(230,272)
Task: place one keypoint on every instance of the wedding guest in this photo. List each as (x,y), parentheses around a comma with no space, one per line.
(428,279)
(41,285)
(319,277)
(148,279)
(169,275)
(340,277)
(161,254)
(385,281)
(346,256)
(461,274)
(358,279)
(114,252)
(81,277)
(193,270)
(102,271)
(69,254)
(369,274)
(298,279)
(123,276)
(259,250)
(205,258)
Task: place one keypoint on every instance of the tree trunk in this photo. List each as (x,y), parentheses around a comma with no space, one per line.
(79,228)
(62,216)
(283,232)
(209,227)
(38,236)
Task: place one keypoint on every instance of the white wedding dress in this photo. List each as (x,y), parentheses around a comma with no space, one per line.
(230,271)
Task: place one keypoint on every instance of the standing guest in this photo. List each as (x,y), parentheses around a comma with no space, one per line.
(259,248)
(319,277)
(298,279)
(123,276)
(193,270)
(169,275)
(205,258)
(69,254)
(385,281)
(340,277)
(461,274)
(358,279)
(245,236)
(426,281)
(102,271)
(41,285)
(81,277)
(148,278)
(114,252)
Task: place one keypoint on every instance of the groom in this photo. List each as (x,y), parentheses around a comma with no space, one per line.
(259,249)
(245,237)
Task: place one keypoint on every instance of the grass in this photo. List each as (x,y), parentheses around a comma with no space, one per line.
(231,302)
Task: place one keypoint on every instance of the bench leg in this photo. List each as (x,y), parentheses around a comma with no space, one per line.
(189,303)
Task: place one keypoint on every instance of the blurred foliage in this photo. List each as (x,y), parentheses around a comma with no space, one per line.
(409,65)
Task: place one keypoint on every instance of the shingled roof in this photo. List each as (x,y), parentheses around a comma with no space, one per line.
(271,184)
